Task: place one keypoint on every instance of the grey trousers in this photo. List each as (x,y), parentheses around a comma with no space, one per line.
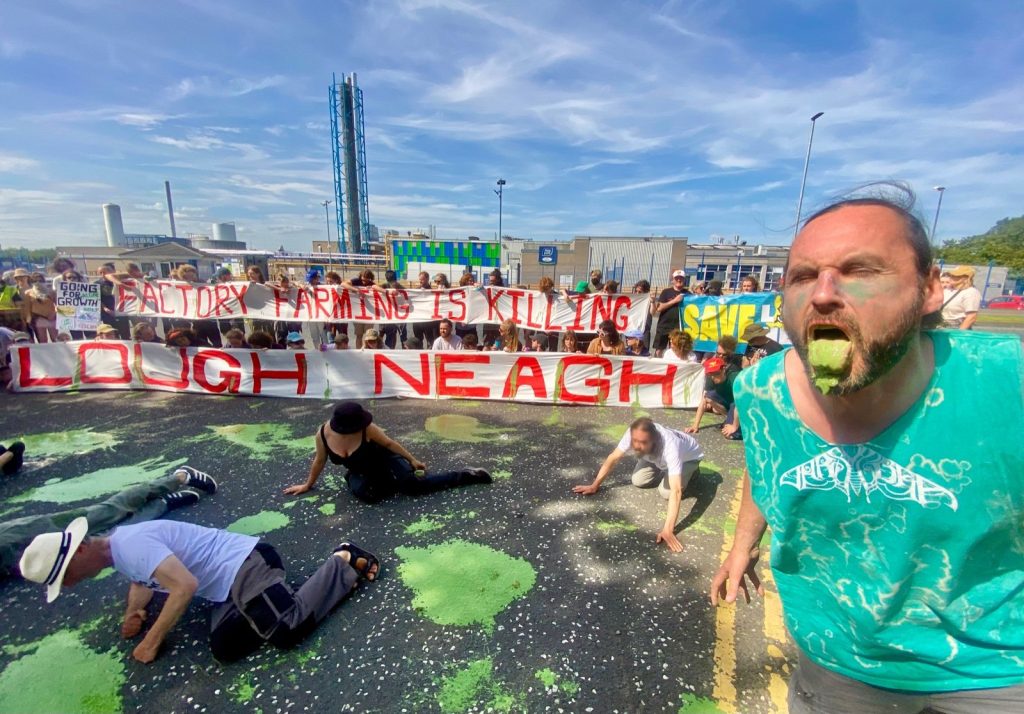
(263,607)
(814,689)
(646,475)
(136,504)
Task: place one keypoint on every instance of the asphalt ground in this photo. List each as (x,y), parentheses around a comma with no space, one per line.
(591,614)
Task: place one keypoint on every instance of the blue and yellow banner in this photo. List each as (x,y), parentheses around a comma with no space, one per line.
(707,318)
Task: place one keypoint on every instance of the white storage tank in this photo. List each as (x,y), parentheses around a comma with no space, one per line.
(224,232)
(113,225)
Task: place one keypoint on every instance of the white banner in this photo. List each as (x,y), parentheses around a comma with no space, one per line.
(78,306)
(543,377)
(529,309)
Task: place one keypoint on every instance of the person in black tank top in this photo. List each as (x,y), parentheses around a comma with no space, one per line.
(379,467)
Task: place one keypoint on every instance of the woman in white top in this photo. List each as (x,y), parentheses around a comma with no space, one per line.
(680,347)
(961,309)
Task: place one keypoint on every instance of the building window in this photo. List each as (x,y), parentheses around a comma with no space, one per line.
(708,272)
(736,277)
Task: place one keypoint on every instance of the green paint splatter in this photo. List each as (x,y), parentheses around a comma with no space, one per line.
(328,509)
(569,687)
(244,689)
(546,676)
(692,704)
(475,685)
(463,583)
(554,418)
(260,523)
(608,527)
(263,441)
(100,483)
(423,525)
(459,427)
(67,443)
(709,419)
(613,432)
(89,681)
(501,474)
(105,573)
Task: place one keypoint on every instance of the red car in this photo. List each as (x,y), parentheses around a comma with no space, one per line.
(1006,302)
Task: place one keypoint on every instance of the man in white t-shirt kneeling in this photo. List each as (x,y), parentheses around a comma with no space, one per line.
(242,576)
(665,458)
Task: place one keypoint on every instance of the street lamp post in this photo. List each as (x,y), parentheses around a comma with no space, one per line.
(935,221)
(327,216)
(739,265)
(803,182)
(499,191)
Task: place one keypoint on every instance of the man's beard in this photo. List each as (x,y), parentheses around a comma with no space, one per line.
(878,355)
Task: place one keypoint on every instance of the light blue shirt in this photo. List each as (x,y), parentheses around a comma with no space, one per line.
(212,556)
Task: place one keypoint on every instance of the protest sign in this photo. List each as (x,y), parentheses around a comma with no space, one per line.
(529,309)
(540,377)
(708,317)
(78,306)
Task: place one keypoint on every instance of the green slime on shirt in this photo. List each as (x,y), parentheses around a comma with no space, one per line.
(463,583)
(88,682)
(830,361)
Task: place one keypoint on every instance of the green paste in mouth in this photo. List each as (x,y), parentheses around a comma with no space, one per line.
(830,360)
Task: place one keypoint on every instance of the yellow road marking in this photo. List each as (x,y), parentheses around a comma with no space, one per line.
(775,634)
(724,691)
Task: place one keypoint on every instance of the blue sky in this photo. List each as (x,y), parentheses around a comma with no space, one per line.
(605,118)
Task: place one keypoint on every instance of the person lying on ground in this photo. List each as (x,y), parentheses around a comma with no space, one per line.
(136,504)
(378,466)
(665,458)
(243,576)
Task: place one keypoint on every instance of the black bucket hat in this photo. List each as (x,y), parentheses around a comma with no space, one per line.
(350,417)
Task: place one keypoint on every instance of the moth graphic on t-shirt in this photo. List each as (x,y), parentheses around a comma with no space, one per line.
(862,471)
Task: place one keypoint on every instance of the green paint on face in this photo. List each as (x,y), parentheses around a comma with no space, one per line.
(458,427)
(328,509)
(100,483)
(263,441)
(260,523)
(474,687)
(546,676)
(67,443)
(463,583)
(607,527)
(692,704)
(88,682)
(423,525)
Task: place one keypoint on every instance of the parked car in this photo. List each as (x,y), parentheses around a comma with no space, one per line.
(1006,302)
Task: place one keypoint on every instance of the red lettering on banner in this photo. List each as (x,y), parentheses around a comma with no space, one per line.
(223,294)
(363,314)
(535,381)
(299,374)
(320,296)
(421,387)
(627,378)
(180,383)
(492,305)
(229,379)
(603,385)
(240,292)
(163,300)
(301,302)
(184,290)
(445,375)
(402,307)
(581,303)
(515,295)
(149,297)
(341,305)
(26,380)
(529,311)
(83,363)
(437,306)
(620,318)
(602,306)
(280,298)
(547,317)
(457,298)
(382,307)
(119,302)
(204,301)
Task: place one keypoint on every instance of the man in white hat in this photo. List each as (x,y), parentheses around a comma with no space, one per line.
(243,576)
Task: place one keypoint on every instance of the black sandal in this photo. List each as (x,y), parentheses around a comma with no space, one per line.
(355,553)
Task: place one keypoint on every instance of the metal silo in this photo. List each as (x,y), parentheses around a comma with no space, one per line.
(224,232)
(113,225)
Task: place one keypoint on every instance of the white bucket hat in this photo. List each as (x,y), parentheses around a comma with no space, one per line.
(47,558)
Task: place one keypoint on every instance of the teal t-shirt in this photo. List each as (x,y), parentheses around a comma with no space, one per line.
(900,561)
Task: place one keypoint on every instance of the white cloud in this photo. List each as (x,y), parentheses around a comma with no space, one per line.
(16,164)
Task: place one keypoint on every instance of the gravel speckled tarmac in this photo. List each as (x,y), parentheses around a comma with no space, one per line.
(611,622)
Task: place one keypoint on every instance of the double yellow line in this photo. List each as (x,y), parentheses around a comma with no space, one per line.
(724,692)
